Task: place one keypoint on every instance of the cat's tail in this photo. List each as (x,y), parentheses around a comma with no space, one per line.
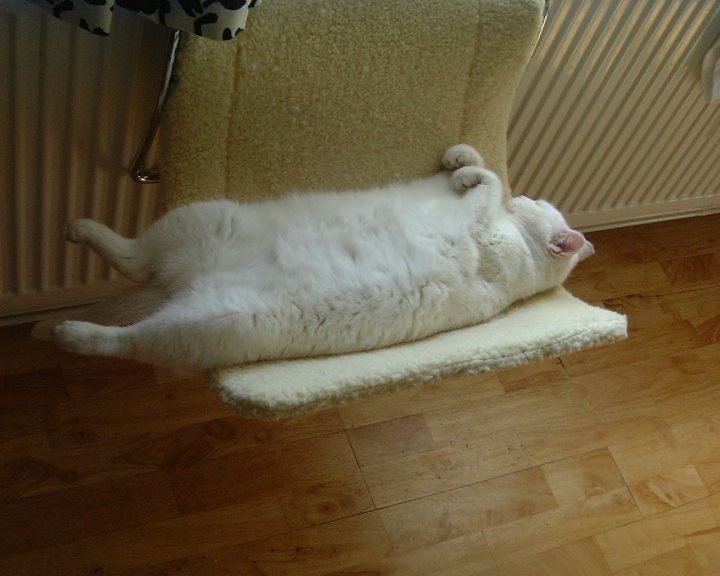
(127,308)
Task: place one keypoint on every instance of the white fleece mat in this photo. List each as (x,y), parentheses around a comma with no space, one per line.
(547,325)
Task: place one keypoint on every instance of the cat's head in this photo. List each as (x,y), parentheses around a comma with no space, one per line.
(557,243)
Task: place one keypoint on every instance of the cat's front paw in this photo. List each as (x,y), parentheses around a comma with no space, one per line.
(462,155)
(79,231)
(467,177)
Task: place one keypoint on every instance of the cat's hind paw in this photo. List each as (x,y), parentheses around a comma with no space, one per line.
(88,338)
(467,177)
(44,329)
(462,155)
(79,231)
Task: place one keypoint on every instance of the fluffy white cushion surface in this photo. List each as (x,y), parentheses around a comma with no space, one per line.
(548,325)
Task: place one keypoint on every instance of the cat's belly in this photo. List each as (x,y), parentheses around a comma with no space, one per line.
(339,282)
(347,289)
(362,254)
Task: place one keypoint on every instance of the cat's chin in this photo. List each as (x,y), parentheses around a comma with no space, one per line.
(586,251)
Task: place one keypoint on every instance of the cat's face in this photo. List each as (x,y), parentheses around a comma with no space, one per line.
(561,244)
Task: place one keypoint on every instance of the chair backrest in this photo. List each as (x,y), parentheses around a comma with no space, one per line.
(335,95)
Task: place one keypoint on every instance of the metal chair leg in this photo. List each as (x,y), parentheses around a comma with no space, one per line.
(139,172)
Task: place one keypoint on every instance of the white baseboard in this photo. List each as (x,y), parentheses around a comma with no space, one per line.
(635,215)
(41,305)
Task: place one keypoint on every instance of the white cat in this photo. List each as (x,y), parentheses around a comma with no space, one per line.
(327,273)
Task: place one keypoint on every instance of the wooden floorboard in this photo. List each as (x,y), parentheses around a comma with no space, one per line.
(605,462)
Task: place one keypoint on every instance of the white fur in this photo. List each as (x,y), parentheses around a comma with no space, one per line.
(328,273)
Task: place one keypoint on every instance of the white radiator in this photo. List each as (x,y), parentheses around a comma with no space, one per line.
(609,124)
(73,110)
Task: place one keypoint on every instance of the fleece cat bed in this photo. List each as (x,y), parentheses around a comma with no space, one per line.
(349,95)
(547,325)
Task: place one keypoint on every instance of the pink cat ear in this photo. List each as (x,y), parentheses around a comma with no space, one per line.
(567,243)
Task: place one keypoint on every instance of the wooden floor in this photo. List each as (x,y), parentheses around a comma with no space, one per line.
(603,462)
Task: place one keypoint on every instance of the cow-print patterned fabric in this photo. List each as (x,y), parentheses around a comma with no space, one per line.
(216,19)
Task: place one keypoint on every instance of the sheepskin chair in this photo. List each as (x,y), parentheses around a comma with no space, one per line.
(319,95)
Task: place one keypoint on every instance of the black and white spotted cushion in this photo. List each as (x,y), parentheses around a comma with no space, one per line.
(216,19)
